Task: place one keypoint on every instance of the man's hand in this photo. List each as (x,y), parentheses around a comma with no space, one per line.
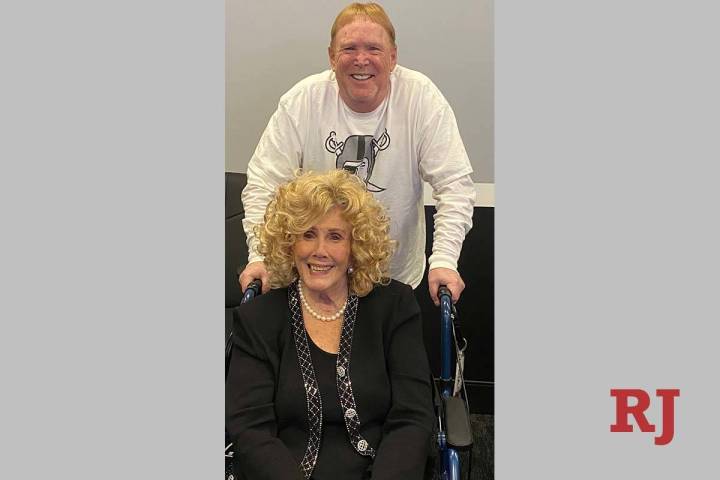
(252,271)
(447,277)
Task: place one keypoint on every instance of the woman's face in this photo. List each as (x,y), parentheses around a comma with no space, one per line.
(322,255)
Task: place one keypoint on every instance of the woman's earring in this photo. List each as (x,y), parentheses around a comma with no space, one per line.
(350,270)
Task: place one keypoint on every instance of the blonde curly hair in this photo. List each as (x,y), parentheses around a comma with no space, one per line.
(299,204)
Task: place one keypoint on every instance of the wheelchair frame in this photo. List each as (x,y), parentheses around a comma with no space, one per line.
(448,454)
(253,289)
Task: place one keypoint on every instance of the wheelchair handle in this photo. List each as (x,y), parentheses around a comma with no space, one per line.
(252,290)
(443,290)
(445,298)
(450,457)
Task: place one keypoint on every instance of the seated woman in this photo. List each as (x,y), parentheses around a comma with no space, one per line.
(329,376)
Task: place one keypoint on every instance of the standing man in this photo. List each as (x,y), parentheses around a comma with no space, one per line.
(389,125)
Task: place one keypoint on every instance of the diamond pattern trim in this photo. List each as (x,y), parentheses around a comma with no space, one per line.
(312,392)
(344,382)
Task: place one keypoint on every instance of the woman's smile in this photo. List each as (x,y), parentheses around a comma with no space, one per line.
(322,258)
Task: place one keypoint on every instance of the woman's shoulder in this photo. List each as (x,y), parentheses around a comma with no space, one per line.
(393,289)
(264,313)
(395,297)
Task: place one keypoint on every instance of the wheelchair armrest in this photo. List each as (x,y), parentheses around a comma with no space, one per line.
(457,423)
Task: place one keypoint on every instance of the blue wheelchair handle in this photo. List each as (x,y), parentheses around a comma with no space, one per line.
(252,290)
(449,456)
(445,333)
(443,291)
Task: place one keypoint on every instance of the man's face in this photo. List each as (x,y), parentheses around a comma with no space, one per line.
(363,57)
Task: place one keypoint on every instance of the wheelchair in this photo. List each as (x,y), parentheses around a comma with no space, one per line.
(253,289)
(452,411)
(452,430)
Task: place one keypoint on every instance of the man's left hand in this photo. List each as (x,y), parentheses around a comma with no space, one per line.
(447,277)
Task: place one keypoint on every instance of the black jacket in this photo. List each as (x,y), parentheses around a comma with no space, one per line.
(266,412)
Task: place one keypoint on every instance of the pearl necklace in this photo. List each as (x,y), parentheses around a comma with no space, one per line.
(324,318)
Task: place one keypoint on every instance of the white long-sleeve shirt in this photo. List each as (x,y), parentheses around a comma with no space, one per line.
(411,138)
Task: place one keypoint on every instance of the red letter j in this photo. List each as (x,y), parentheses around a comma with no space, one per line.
(668,414)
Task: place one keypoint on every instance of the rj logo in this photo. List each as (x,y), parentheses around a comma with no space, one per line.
(623,410)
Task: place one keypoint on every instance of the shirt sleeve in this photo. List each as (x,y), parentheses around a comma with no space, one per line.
(250,411)
(444,164)
(403,450)
(277,156)
(454,206)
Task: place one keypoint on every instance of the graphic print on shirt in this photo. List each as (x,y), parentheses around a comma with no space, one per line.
(357,155)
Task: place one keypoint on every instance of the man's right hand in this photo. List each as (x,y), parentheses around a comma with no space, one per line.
(252,271)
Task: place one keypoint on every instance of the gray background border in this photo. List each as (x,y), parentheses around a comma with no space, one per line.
(111,194)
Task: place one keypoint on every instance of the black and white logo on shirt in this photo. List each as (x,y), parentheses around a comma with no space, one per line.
(357,154)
